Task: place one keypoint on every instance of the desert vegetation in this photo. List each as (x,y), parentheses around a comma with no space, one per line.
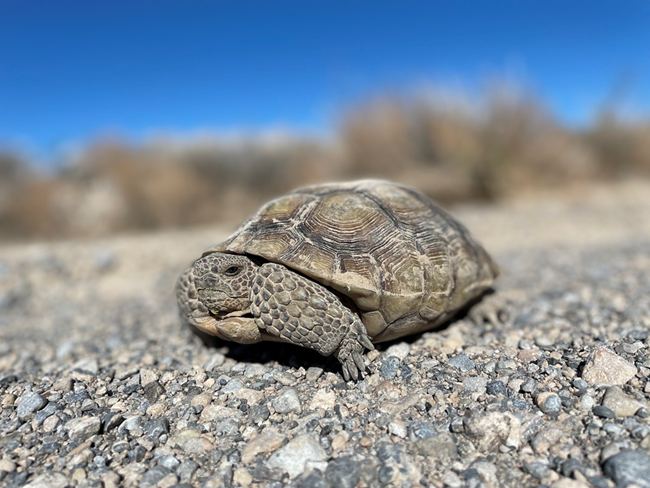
(452,147)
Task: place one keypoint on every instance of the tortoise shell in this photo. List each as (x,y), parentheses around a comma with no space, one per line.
(406,263)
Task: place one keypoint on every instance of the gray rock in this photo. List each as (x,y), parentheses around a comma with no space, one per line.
(452,480)
(284,378)
(386,475)
(186,470)
(169,461)
(497,387)
(421,430)
(46,412)
(153,390)
(475,384)
(544,341)
(529,385)
(549,402)
(580,384)
(259,413)
(233,386)
(294,456)
(440,446)
(216,360)
(226,427)
(604,412)
(390,367)
(287,401)
(629,468)
(154,475)
(197,445)
(254,370)
(569,466)
(111,421)
(587,402)
(343,472)
(536,469)
(30,403)
(457,426)
(131,424)
(462,362)
(156,427)
(315,479)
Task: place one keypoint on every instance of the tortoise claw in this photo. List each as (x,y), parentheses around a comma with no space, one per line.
(346,373)
(350,353)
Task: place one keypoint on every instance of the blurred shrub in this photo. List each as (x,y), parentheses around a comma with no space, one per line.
(503,145)
(449,146)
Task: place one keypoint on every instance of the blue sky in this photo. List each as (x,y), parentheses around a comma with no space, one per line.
(74,70)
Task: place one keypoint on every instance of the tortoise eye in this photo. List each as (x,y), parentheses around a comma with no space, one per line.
(232,271)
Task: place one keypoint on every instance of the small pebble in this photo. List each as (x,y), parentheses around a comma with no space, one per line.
(496,388)
(214,362)
(294,456)
(604,412)
(462,362)
(259,413)
(421,430)
(343,472)
(400,350)
(536,469)
(549,402)
(30,403)
(397,428)
(81,429)
(475,384)
(313,373)
(390,367)
(287,401)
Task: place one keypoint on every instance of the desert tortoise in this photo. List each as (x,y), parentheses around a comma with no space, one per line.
(335,268)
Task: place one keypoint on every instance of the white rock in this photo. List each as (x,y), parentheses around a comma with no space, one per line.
(49,480)
(621,404)
(287,401)
(400,350)
(293,457)
(606,368)
(86,366)
(82,428)
(397,428)
(268,441)
(325,399)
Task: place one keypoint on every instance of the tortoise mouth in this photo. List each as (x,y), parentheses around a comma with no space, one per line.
(236,313)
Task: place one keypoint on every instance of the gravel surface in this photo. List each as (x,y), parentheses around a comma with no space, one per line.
(100,385)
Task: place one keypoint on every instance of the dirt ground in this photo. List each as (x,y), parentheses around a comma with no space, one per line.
(88,326)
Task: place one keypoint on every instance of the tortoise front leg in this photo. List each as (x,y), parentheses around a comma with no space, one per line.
(295,309)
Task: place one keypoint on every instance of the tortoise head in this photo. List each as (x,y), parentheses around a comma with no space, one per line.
(212,296)
(222,282)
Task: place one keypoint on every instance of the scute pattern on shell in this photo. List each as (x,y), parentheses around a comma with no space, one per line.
(405,262)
